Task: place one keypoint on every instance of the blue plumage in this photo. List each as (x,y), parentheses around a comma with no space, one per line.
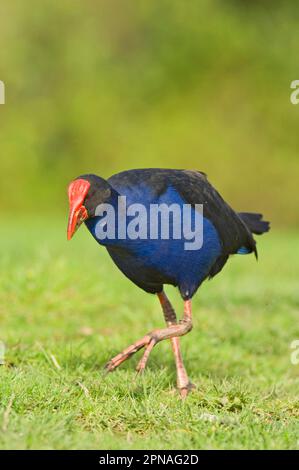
(185,268)
(243,251)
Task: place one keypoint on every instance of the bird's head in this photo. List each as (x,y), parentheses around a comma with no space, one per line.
(85,194)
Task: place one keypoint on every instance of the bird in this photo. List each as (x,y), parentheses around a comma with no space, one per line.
(151,262)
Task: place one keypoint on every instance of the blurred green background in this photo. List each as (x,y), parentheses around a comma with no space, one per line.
(102,86)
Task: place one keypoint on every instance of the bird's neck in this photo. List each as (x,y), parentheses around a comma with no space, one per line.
(104,225)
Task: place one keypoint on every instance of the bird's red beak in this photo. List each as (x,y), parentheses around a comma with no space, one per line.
(77,192)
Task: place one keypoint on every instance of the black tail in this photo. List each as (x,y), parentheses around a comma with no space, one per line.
(255,222)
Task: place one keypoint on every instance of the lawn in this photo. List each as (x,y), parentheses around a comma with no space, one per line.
(65,310)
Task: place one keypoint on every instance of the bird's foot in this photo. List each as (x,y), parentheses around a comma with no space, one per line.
(148,341)
(185,389)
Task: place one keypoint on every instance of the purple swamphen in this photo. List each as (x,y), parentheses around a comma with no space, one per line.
(151,262)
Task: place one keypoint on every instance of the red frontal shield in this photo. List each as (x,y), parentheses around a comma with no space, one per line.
(77,192)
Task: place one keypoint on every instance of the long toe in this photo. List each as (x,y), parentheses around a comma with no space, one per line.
(127,353)
(143,361)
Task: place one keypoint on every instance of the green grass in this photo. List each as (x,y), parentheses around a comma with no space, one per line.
(67,300)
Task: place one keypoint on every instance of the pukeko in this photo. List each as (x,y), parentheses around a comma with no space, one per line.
(151,262)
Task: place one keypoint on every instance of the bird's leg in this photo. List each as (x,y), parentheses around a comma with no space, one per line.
(173,330)
(183,383)
(170,319)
